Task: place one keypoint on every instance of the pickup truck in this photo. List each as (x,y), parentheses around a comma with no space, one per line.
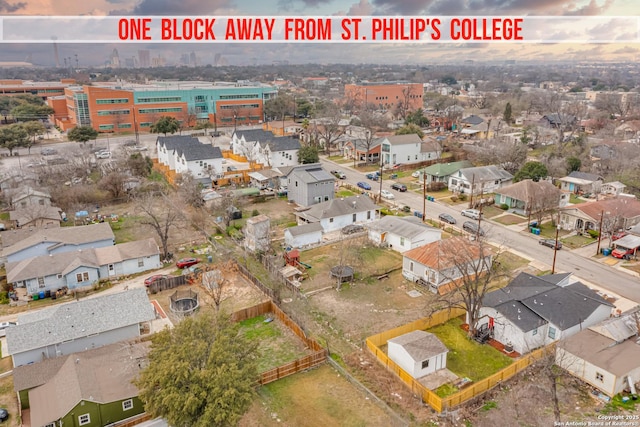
(622,253)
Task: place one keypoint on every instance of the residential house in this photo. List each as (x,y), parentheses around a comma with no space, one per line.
(440,265)
(27,197)
(528,196)
(558,120)
(88,388)
(613,188)
(265,178)
(605,355)
(533,311)
(581,183)
(402,233)
(479,180)
(419,353)
(260,146)
(303,235)
(363,150)
(440,172)
(308,184)
(79,325)
(83,268)
(37,217)
(398,149)
(27,243)
(430,150)
(184,153)
(616,213)
(335,214)
(602,152)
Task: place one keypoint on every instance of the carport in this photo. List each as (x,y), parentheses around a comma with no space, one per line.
(628,242)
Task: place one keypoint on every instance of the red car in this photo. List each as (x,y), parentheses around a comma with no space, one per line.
(187,262)
(153,279)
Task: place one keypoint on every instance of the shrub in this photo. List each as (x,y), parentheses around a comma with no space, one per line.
(386,211)
(462,197)
(454,199)
(593,234)
(255,212)
(504,206)
(437,186)
(4,298)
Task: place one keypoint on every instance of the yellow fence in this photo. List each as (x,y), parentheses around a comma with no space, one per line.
(374,343)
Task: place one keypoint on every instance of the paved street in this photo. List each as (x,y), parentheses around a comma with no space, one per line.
(614,280)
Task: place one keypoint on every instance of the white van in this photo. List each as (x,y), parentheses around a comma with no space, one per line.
(471,213)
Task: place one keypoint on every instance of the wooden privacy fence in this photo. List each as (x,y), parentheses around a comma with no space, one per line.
(374,343)
(316,358)
(168,283)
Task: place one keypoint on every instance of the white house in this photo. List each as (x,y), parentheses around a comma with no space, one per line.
(483,179)
(264,147)
(606,355)
(430,150)
(182,154)
(533,311)
(419,353)
(303,235)
(402,233)
(401,149)
(335,214)
(439,265)
(77,326)
(614,188)
(84,267)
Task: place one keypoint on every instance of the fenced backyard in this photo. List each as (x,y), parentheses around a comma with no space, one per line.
(440,404)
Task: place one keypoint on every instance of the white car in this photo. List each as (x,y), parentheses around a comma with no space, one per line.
(103,154)
(385,194)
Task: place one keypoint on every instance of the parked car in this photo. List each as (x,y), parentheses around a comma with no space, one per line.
(416,174)
(4,415)
(400,187)
(398,165)
(445,217)
(339,174)
(618,235)
(139,148)
(472,227)
(363,185)
(103,154)
(48,151)
(386,194)
(372,176)
(622,253)
(187,262)
(471,213)
(155,278)
(4,326)
(550,243)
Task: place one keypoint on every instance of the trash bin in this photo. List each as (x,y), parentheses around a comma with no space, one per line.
(35,297)
(606,251)
(41,295)
(209,259)
(536,231)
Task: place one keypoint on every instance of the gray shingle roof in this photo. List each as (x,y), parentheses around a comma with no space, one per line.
(255,135)
(530,301)
(585,175)
(411,138)
(79,319)
(313,175)
(283,143)
(299,230)
(199,151)
(17,240)
(420,345)
(472,120)
(408,227)
(338,207)
(486,173)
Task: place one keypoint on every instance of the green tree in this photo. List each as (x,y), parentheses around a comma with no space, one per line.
(531,170)
(12,137)
(308,154)
(165,125)
(82,134)
(26,111)
(507,113)
(409,129)
(33,129)
(573,164)
(201,373)
(418,118)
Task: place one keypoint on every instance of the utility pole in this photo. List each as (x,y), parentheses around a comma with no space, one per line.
(555,246)
(424,196)
(380,177)
(473,184)
(600,231)
(135,127)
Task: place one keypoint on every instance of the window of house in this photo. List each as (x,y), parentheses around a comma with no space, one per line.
(84,419)
(23,204)
(552,332)
(41,282)
(354,217)
(80,277)
(408,158)
(59,276)
(599,377)
(368,214)
(140,262)
(127,404)
(411,266)
(326,198)
(425,364)
(535,332)
(330,220)
(41,201)
(401,241)
(51,425)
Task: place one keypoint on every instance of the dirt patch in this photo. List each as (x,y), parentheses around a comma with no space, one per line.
(509,219)
(320,397)
(8,399)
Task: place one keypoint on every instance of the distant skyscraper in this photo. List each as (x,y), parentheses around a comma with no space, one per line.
(193,59)
(144,58)
(184,59)
(114,61)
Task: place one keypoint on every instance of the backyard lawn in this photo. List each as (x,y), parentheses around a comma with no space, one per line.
(575,241)
(345,193)
(510,219)
(277,345)
(467,358)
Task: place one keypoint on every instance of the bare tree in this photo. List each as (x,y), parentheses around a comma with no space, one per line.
(403,105)
(471,269)
(372,122)
(214,283)
(329,128)
(161,214)
(114,184)
(189,190)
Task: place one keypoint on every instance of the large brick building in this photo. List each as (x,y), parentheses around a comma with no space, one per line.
(384,95)
(126,107)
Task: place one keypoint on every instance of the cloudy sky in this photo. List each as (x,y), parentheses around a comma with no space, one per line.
(240,54)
